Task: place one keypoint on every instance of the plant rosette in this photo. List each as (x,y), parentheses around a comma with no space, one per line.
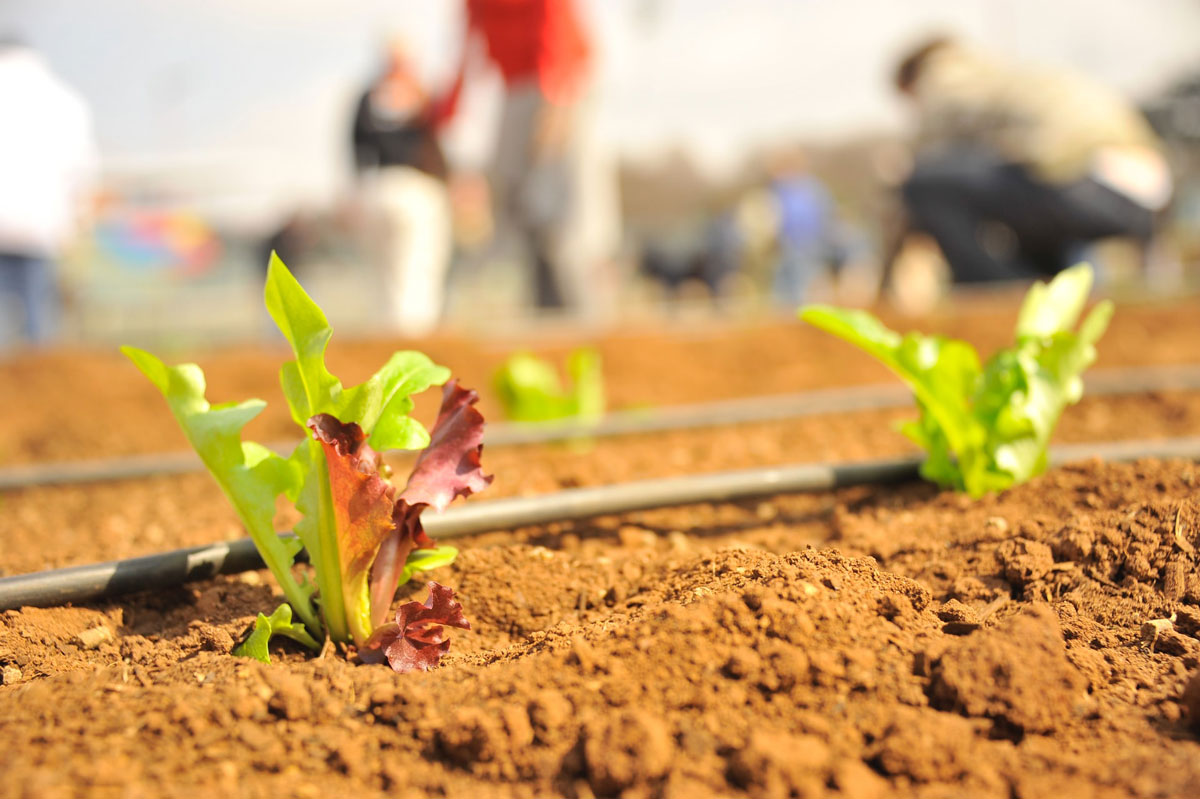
(986,428)
(364,539)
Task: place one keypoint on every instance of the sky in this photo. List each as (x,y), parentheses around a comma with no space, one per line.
(246,103)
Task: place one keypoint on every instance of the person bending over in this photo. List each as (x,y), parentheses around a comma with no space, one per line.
(1016,168)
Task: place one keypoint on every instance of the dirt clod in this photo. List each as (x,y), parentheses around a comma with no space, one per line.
(1191,700)
(778,764)
(924,752)
(1176,643)
(1024,561)
(958,612)
(1016,674)
(1187,620)
(1153,630)
(631,747)
(93,637)
(211,638)
(291,697)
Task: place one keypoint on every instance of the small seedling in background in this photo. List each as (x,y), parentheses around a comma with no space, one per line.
(987,428)
(363,538)
(530,390)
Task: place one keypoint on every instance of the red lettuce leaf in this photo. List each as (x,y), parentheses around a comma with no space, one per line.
(363,506)
(448,468)
(416,640)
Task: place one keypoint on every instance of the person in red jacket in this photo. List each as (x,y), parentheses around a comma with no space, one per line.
(549,188)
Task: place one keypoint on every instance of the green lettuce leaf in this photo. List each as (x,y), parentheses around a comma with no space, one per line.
(381,406)
(249,474)
(307,384)
(278,623)
(587,376)
(426,560)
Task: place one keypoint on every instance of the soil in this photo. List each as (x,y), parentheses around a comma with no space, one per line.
(870,642)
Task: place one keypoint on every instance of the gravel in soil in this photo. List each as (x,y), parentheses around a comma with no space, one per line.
(869,642)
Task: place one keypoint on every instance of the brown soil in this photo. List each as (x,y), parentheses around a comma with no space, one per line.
(86,404)
(870,642)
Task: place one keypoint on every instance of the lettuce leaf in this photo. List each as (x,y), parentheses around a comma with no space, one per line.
(278,623)
(445,470)
(416,640)
(529,388)
(987,428)
(362,504)
(380,405)
(380,540)
(250,475)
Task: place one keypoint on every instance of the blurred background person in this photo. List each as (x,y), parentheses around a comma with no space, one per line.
(399,157)
(551,191)
(1017,167)
(685,98)
(47,164)
(805,233)
(704,252)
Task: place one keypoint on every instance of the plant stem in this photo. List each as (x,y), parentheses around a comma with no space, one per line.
(329,569)
(278,561)
(301,637)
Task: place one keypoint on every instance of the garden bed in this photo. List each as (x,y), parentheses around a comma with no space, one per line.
(866,642)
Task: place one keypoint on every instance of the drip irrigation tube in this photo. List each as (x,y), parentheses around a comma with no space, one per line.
(878,396)
(170,569)
(1108,382)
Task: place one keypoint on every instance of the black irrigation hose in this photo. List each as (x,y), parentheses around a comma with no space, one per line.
(878,396)
(171,569)
(1125,381)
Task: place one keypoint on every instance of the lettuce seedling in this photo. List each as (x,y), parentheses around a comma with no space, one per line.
(265,627)
(363,538)
(530,390)
(987,428)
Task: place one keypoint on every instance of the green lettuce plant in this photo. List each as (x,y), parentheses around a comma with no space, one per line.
(530,390)
(987,427)
(362,537)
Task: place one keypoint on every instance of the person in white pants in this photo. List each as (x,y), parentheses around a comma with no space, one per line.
(404,170)
(412,231)
(47,172)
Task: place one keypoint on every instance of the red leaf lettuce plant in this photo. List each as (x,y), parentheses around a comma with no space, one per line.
(363,538)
